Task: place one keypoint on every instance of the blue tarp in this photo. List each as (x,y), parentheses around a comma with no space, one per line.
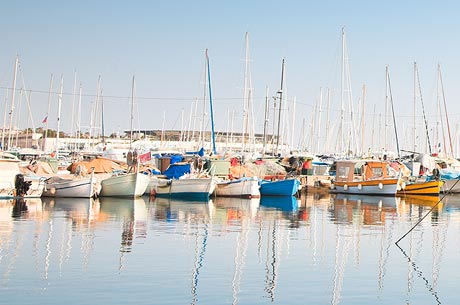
(176,158)
(199,153)
(177,170)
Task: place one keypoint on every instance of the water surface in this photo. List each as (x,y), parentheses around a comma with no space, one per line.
(319,249)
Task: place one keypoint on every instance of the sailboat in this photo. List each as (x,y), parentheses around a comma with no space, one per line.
(132,183)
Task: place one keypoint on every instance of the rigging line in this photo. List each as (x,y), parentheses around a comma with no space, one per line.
(423,110)
(428,213)
(394,119)
(419,272)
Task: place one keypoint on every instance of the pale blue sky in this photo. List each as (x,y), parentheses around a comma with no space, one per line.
(162,43)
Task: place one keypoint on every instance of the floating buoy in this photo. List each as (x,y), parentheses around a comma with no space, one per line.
(345,187)
(360,187)
(381,185)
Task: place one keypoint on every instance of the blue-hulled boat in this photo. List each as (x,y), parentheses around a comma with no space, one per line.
(287,187)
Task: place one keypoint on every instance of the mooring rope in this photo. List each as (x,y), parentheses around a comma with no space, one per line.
(428,213)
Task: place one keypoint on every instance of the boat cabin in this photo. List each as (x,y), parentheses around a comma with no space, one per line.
(362,170)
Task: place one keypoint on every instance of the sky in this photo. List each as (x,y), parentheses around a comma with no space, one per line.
(161,44)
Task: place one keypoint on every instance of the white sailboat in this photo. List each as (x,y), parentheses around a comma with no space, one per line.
(131,184)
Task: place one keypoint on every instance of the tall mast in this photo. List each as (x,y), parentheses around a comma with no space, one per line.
(246,102)
(363,114)
(16,63)
(210,106)
(445,112)
(342,109)
(280,105)
(73,101)
(326,136)
(48,111)
(423,111)
(265,121)
(414,135)
(4,120)
(132,116)
(393,111)
(318,135)
(59,116)
(79,113)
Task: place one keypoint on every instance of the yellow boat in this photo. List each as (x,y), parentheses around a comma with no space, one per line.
(421,188)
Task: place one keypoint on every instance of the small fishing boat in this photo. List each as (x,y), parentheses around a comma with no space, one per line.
(15,184)
(72,187)
(247,187)
(124,185)
(183,188)
(286,187)
(432,187)
(365,177)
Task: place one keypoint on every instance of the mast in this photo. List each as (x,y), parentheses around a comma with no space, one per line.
(79,113)
(393,111)
(342,110)
(423,110)
(102,120)
(414,136)
(280,104)
(445,112)
(318,135)
(59,116)
(48,111)
(327,116)
(4,121)
(363,113)
(210,106)
(16,63)
(245,94)
(73,101)
(132,116)
(293,122)
(265,121)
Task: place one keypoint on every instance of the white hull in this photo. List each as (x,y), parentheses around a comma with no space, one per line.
(76,188)
(9,169)
(126,185)
(246,187)
(7,190)
(377,188)
(183,188)
(451,185)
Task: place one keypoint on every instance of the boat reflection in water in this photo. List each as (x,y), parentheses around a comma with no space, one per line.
(283,203)
(133,214)
(373,209)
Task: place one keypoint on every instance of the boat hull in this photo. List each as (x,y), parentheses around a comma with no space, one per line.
(422,188)
(385,187)
(451,186)
(78,188)
(188,188)
(244,187)
(287,187)
(36,189)
(126,185)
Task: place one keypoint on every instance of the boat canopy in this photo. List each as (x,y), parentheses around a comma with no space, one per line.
(177,170)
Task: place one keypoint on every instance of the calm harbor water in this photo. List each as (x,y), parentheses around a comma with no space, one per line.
(320,249)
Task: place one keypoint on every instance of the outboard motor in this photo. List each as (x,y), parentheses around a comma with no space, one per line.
(436,174)
(21,186)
